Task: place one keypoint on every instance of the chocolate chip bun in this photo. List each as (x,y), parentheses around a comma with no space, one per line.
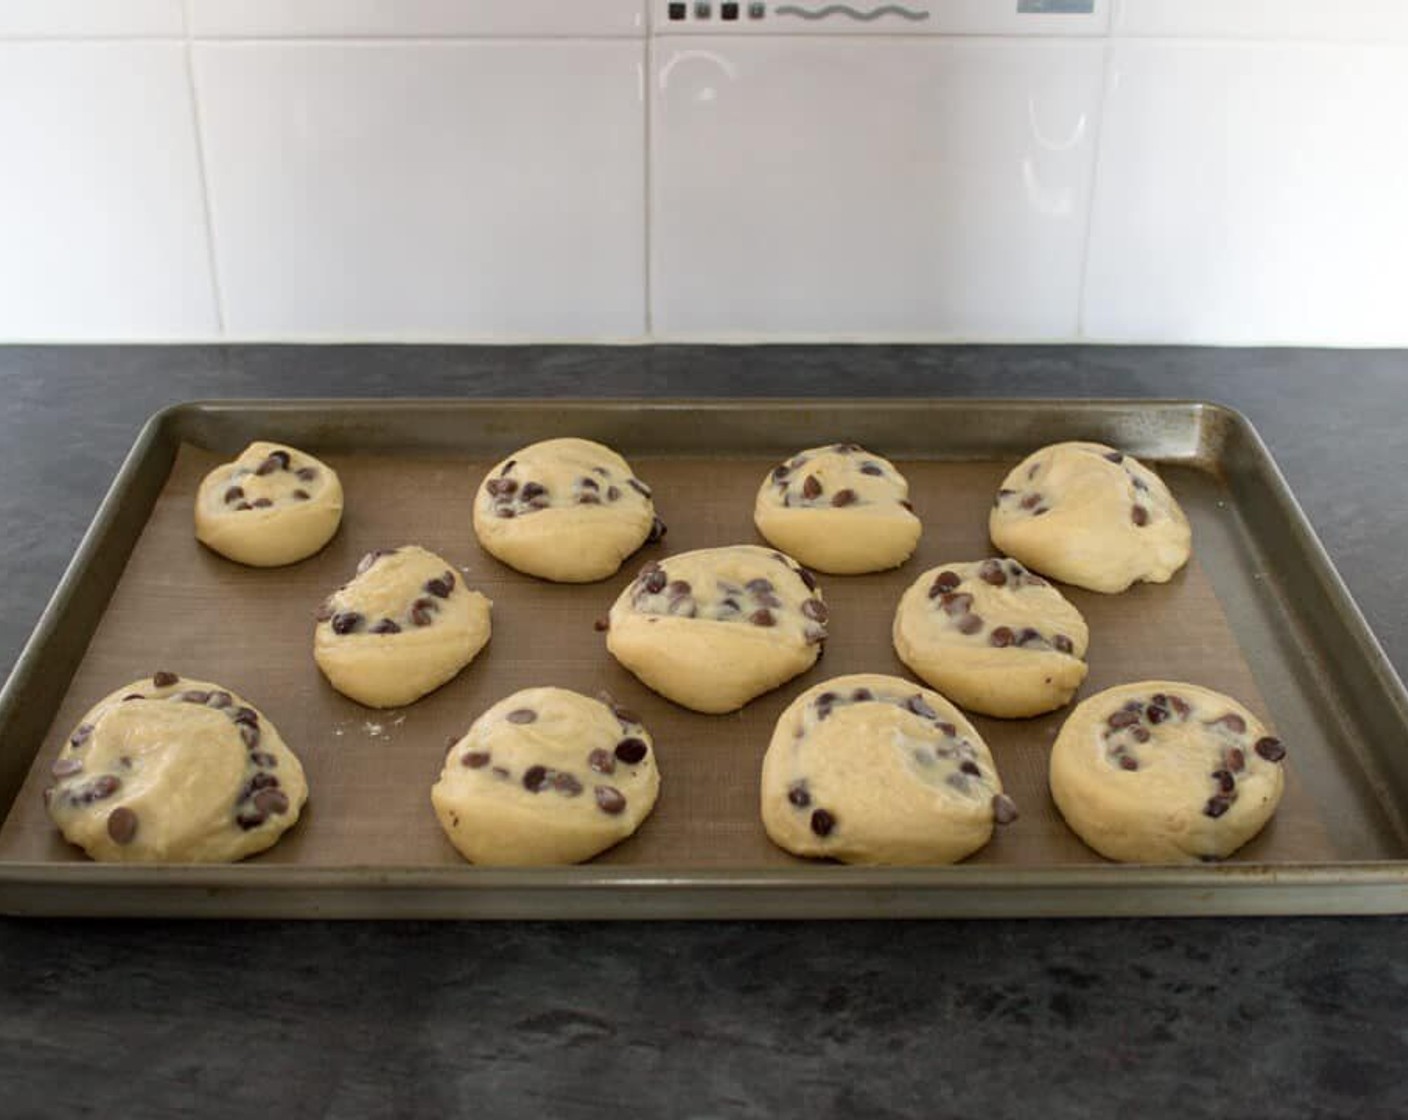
(1165,772)
(567,510)
(402,627)
(546,776)
(273,505)
(1091,516)
(871,769)
(714,628)
(838,509)
(171,771)
(993,637)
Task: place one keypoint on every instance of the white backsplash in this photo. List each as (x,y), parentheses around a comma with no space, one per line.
(1201,171)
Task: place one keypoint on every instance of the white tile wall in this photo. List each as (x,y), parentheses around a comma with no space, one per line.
(1251,193)
(101,213)
(410,18)
(477,189)
(932,188)
(118,19)
(1328,20)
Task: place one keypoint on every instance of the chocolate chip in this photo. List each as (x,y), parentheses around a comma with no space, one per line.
(657,531)
(970,767)
(234,494)
(861,695)
(306,474)
(1028,637)
(1216,806)
(422,611)
(807,578)
(271,801)
(521,715)
(476,760)
(263,503)
(1180,705)
(920,707)
(1225,780)
(345,622)
(81,734)
(533,490)
(1140,485)
(630,751)
(811,487)
(1031,501)
(822,822)
(955,603)
(501,487)
(566,784)
(263,781)
(1139,515)
(1236,760)
(677,589)
(815,609)
(122,825)
(602,761)
(1004,809)
(816,635)
(781,472)
(1123,718)
(508,467)
(302,495)
(875,470)
(366,562)
(277,461)
(654,579)
(589,484)
(249,734)
(1002,494)
(133,696)
(1001,636)
(639,487)
(1155,713)
(535,778)
(1115,456)
(242,506)
(610,800)
(762,617)
(587,498)
(192,696)
(1141,734)
(441,586)
(843,497)
(386,626)
(163,679)
(249,818)
(990,571)
(797,794)
(1270,748)
(945,581)
(947,729)
(613,493)
(246,716)
(826,699)
(907,505)
(104,786)
(970,624)
(1127,763)
(220,699)
(264,759)
(602,624)
(1232,721)
(65,767)
(759,586)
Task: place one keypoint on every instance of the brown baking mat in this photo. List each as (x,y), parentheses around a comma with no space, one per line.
(181,607)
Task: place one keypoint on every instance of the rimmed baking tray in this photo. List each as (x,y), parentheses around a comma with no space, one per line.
(1259,613)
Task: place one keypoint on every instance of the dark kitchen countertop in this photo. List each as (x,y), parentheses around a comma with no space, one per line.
(1141,1018)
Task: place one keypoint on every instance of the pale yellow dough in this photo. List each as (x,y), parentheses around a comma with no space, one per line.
(714,628)
(993,637)
(179,772)
(546,776)
(838,509)
(304,507)
(1089,515)
(873,769)
(567,510)
(1196,781)
(436,627)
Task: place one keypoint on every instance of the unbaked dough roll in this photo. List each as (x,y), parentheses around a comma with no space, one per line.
(567,510)
(871,769)
(402,627)
(1165,772)
(838,509)
(712,629)
(992,637)
(546,776)
(167,770)
(273,505)
(1092,516)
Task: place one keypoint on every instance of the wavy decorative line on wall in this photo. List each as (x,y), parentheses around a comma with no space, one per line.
(852,13)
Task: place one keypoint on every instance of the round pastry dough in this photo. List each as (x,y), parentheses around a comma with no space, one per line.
(993,637)
(712,629)
(175,771)
(1165,772)
(838,509)
(273,505)
(1092,516)
(567,510)
(404,626)
(546,776)
(871,769)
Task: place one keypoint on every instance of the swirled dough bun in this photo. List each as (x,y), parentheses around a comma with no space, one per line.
(838,509)
(993,637)
(712,629)
(546,776)
(1164,772)
(273,505)
(167,770)
(1091,516)
(567,510)
(871,769)
(402,627)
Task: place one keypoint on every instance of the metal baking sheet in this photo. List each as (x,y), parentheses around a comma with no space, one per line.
(1259,614)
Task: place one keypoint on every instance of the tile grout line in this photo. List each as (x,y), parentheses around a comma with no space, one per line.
(215,287)
(1106,67)
(648,206)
